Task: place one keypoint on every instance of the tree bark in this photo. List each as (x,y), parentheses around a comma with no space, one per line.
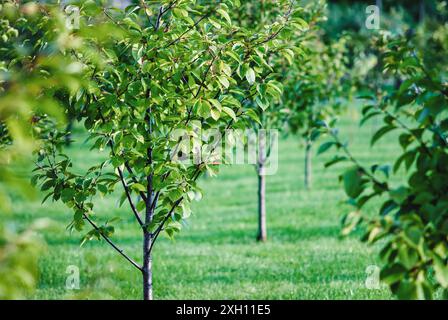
(379,4)
(422,11)
(148,236)
(68,137)
(147,242)
(308,164)
(147,266)
(262,230)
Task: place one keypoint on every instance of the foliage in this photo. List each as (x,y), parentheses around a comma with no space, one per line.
(31,45)
(254,14)
(413,219)
(33,71)
(318,90)
(317,86)
(19,252)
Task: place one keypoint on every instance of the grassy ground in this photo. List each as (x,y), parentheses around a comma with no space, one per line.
(216,256)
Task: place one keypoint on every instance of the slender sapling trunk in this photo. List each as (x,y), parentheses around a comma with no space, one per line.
(147,266)
(379,4)
(422,11)
(262,230)
(148,236)
(308,164)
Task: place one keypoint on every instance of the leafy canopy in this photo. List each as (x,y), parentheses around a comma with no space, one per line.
(177,65)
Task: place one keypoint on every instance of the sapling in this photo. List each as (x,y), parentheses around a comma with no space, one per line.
(178,66)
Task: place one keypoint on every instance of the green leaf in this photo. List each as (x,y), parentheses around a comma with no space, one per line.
(47,185)
(230,112)
(392,273)
(224,81)
(441,271)
(381,132)
(399,195)
(67,194)
(225,15)
(216,114)
(204,109)
(353,182)
(253,115)
(250,76)
(325,147)
(180,13)
(102,188)
(335,160)
(138,187)
(216,104)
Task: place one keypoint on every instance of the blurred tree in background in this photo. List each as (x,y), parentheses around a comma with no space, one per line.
(409,93)
(31,67)
(37,76)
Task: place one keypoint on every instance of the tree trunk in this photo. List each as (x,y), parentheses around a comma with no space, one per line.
(148,237)
(68,137)
(308,164)
(147,267)
(262,232)
(379,4)
(422,11)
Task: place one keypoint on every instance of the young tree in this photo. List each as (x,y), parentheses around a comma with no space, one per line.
(179,66)
(270,114)
(413,219)
(316,94)
(312,82)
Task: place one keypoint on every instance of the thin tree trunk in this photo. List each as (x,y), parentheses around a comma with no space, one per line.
(379,4)
(148,236)
(262,232)
(308,164)
(147,244)
(422,11)
(68,137)
(147,267)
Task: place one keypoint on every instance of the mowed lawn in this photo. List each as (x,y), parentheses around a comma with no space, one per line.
(216,255)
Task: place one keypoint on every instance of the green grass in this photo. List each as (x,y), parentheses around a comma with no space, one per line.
(216,255)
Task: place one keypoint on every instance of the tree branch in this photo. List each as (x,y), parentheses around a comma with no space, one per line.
(106,238)
(189,29)
(162,11)
(131,172)
(165,219)
(128,195)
